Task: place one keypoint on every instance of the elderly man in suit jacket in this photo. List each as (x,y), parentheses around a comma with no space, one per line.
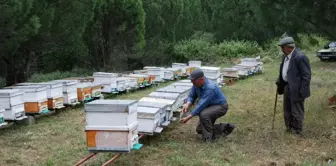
(294,84)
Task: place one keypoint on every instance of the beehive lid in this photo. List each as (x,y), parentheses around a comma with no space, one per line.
(2,110)
(105,74)
(182,84)
(150,67)
(184,81)
(109,105)
(10,92)
(138,75)
(209,68)
(145,103)
(230,69)
(180,64)
(67,82)
(249,64)
(30,88)
(140,71)
(174,89)
(173,96)
(147,112)
(172,69)
(156,100)
(51,84)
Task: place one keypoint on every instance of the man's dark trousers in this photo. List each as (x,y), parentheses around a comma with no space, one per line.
(207,118)
(293,112)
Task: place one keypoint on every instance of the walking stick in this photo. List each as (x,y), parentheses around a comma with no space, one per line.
(275,104)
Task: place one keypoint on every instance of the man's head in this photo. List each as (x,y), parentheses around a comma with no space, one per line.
(197,78)
(287,45)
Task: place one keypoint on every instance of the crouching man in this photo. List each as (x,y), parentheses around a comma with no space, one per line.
(211,106)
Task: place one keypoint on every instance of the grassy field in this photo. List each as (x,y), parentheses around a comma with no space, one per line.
(59,140)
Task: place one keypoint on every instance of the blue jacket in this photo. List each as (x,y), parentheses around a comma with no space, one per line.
(209,94)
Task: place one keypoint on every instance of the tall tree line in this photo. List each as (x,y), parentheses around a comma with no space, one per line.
(115,35)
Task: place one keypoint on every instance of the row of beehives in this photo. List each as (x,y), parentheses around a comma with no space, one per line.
(30,98)
(38,98)
(114,125)
(246,67)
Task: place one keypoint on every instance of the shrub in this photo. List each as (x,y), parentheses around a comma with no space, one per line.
(2,82)
(311,42)
(195,50)
(40,77)
(237,49)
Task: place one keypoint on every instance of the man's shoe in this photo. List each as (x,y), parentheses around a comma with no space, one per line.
(228,129)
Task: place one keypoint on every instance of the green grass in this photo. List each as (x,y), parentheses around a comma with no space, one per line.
(60,139)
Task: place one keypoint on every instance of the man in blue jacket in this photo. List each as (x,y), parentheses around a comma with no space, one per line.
(212,105)
(294,84)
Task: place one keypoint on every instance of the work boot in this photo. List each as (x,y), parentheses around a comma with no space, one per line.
(228,129)
(210,140)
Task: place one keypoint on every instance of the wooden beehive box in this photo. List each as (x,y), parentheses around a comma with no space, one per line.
(149,120)
(12,100)
(162,109)
(158,72)
(111,125)
(84,92)
(96,90)
(211,72)
(182,66)
(242,71)
(69,88)
(172,105)
(196,64)
(35,98)
(177,73)
(54,93)
(131,83)
(189,85)
(140,71)
(230,72)
(141,79)
(104,78)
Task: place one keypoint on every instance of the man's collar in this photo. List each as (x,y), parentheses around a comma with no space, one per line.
(290,54)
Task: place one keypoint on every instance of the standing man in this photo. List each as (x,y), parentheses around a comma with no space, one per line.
(294,84)
(212,105)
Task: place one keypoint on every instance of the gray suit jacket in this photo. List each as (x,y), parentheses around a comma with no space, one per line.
(298,76)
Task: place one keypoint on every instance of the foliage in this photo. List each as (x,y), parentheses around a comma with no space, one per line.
(40,77)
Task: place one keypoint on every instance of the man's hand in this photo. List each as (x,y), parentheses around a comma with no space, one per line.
(186,107)
(186,119)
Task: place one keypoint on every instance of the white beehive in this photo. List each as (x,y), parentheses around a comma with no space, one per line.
(158,72)
(111,125)
(131,83)
(183,92)
(103,77)
(162,109)
(12,100)
(11,97)
(181,66)
(107,114)
(243,71)
(69,89)
(54,89)
(184,81)
(32,93)
(197,64)
(172,105)
(149,120)
(140,71)
(211,72)
(230,72)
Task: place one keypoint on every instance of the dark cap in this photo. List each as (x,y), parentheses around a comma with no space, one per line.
(286,41)
(196,74)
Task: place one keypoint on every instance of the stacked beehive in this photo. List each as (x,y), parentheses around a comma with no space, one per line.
(69,90)
(12,100)
(111,125)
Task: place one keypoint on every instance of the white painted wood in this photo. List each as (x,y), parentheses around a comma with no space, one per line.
(54,89)
(115,139)
(230,72)
(70,97)
(161,106)
(104,77)
(172,105)
(110,113)
(197,64)
(15,112)
(158,72)
(32,93)
(11,97)
(181,66)
(211,72)
(149,119)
